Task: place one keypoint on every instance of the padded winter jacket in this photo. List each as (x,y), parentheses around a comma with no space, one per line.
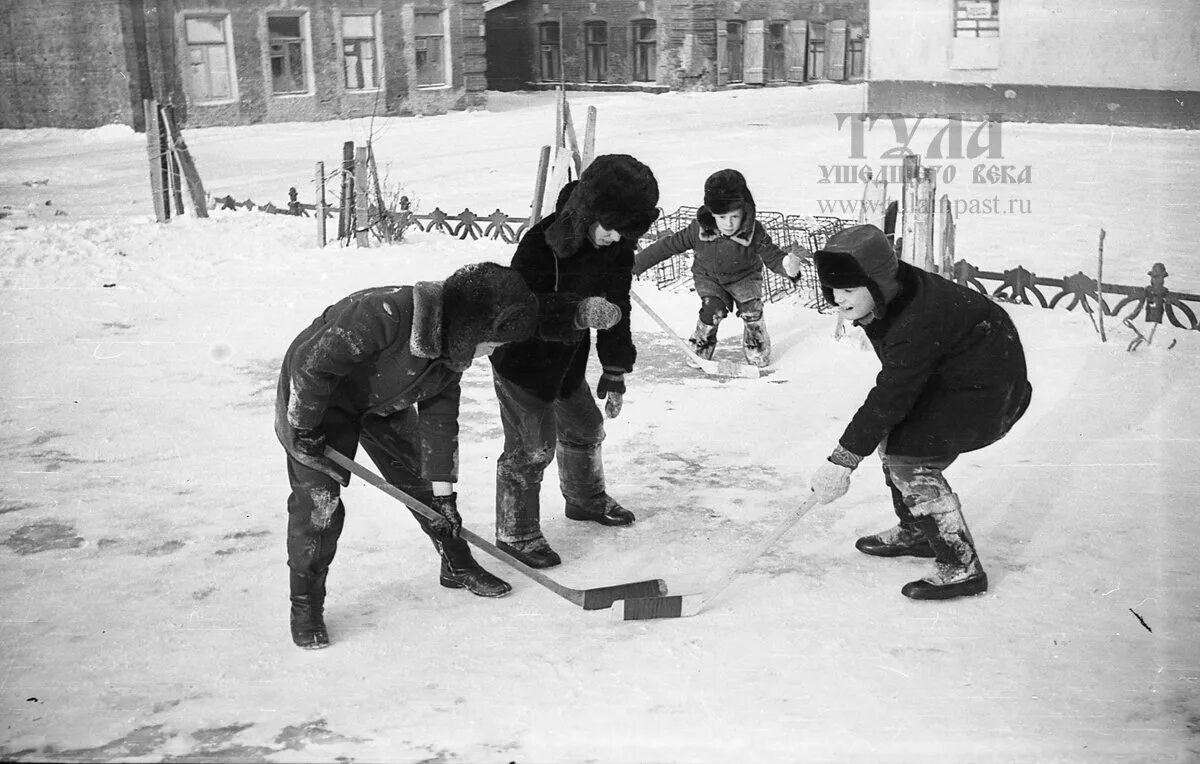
(953,376)
(374,354)
(553,363)
(724,259)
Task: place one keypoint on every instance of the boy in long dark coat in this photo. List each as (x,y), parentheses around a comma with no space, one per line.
(578,261)
(730,249)
(382,367)
(953,379)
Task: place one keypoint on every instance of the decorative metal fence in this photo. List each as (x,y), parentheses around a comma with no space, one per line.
(1153,302)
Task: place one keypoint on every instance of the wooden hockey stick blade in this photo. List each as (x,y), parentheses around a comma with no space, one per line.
(589,599)
(717,368)
(685,605)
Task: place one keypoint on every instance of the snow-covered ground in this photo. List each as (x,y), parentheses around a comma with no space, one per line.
(143,613)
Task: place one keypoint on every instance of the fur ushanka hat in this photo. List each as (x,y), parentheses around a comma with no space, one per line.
(616,191)
(859,256)
(485,302)
(726,191)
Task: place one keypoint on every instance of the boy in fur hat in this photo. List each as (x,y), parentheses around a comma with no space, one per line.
(382,367)
(952,380)
(730,251)
(578,262)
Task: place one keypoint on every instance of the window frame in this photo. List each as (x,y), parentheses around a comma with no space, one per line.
(551,49)
(973,26)
(645,50)
(421,43)
(740,59)
(376,49)
(305,47)
(595,54)
(230,62)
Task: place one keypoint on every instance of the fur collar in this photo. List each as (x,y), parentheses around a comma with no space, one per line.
(425,340)
(709,232)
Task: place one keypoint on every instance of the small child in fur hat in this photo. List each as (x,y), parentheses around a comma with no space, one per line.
(953,379)
(730,252)
(381,367)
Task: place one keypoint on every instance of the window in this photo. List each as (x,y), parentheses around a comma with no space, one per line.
(816,51)
(777,53)
(857,52)
(210,58)
(289,54)
(645,51)
(976,18)
(358,52)
(735,46)
(430,45)
(550,53)
(595,36)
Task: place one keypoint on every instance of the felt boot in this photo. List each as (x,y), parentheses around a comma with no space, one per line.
(704,338)
(308,611)
(958,571)
(756,343)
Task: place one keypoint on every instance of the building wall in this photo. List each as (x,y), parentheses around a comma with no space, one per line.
(76,71)
(687,50)
(1057,60)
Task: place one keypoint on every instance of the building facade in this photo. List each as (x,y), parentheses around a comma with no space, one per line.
(85,63)
(1099,62)
(664,44)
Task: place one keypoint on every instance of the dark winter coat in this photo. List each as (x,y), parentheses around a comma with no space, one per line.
(723,259)
(374,354)
(552,365)
(953,376)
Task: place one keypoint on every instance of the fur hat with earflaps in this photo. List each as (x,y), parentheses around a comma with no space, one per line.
(726,191)
(616,191)
(481,302)
(859,256)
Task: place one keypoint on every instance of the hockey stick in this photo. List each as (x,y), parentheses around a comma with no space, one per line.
(684,605)
(588,599)
(719,368)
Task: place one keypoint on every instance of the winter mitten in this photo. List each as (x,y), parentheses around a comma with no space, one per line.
(611,389)
(792,264)
(831,480)
(596,313)
(310,451)
(450,524)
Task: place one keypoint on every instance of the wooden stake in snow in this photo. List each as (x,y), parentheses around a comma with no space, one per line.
(1100,287)
(539,186)
(162,210)
(362,199)
(589,137)
(346,204)
(320,204)
(180,151)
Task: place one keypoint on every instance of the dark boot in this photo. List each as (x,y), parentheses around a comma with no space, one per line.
(907,538)
(958,570)
(460,571)
(704,339)
(536,553)
(581,477)
(308,611)
(756,343)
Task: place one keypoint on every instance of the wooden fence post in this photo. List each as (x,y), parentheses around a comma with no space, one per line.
(539,186)
(922,251)
(589,138)
(179,150)
(946,245)
(362,200)
(155,157)
(908,193)
(1100,287)
(346,206)
(320,204)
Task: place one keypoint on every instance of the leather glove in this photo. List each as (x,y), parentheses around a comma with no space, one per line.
(611,389)
(310,451)
(596,313)
(831,480)
(450,525)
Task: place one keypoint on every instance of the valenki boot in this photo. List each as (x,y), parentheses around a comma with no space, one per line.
(581,477)
(461,571)
(756,343)
(704,338)
(958,571)
(518,521)
(308,611)
(907,538)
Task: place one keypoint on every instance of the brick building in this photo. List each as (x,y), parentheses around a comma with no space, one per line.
(85,63)
(671,44)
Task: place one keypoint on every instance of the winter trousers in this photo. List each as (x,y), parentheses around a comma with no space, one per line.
(914,481)
(316,514)
(537,431)
(746,294)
